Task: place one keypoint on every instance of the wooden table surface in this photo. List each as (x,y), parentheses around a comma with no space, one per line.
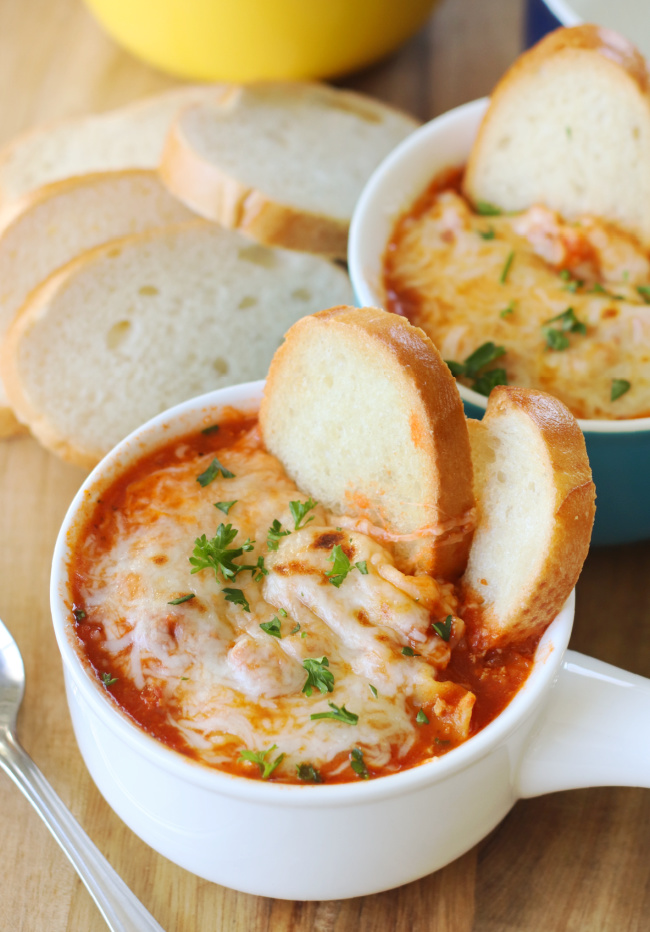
(576,861)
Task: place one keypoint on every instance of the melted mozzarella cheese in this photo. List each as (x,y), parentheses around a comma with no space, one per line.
(227,684)
(449,271)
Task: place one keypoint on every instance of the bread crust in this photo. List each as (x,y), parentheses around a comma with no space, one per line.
(542,595)
(438,428)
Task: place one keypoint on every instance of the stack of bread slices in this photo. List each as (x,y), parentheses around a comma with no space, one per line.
(160,251)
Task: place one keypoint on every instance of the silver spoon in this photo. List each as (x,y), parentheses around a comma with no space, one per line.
(122,911)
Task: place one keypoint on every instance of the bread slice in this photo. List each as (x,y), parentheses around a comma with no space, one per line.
(283,162)
(47,228)
(568,126)
(366,418)
(144,322)
(535,501)
(129,137)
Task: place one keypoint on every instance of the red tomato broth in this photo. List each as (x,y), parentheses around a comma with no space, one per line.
(494,678)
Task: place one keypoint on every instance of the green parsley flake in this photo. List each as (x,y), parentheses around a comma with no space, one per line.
(443,628)
(373,690)
(486,382)
(108,680)
(357,763)
(282,612)
(508,311)
(259,758)
(237,597)
(644,292)
(274,534)
(225,506)
(217,555)
(487,234)
(272,627)
(619,387)
(362,566)
(78,613)
(213,429)
(481,357)
(299,510)
(485,209)
(409,652)
(507,266)
(308,773)
(338,714)
(212,472)
(182,598)
(341,566)
(318,675)
(421,718)
(556,338)
(296,629)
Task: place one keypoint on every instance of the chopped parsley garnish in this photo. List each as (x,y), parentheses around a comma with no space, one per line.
(212,472)
(299,510)
(485,209)
(357,763)
(481,357)
(259,758)
(485,383)
(225,506)
(442,741)
(556,338)
(409,652)
(597,288)
(421,718)
(308,773)
(237,597)
(213,429)
(341,566)
(259,571)
(79,614)
(338,714)
(507,266)
(296,629)
(272,627)
(282,612)
(373,690)
(274,534)
(217,555)
(571,284)
(443,628)
(644,292)
(108,680)
(487,234)
(507,311)
(619,387)
(182,598)
(318,675)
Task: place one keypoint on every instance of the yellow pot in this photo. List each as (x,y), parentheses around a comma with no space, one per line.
(247,40)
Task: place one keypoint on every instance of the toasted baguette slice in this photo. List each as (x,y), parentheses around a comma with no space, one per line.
(535,501)
(365,417)
(283,162)
(136,325)
(129,137)
(49,227)
(568,126)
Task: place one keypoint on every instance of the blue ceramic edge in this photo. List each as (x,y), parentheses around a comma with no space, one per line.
(538,20)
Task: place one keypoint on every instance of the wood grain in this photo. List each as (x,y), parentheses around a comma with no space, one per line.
(571,861)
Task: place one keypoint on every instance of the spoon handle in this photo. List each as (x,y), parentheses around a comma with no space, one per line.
(122,911)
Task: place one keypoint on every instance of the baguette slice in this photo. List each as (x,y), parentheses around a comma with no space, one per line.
(144,322)
(568,126)
(284,163)
(129,137)
(47,228)
(535,501)
(365,417)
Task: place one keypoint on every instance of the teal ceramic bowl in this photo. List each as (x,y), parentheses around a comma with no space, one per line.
(619,451)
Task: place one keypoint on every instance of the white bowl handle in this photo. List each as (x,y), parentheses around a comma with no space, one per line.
(595,731)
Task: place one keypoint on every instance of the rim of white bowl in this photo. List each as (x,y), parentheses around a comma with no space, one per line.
(375,202)
(175,422)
